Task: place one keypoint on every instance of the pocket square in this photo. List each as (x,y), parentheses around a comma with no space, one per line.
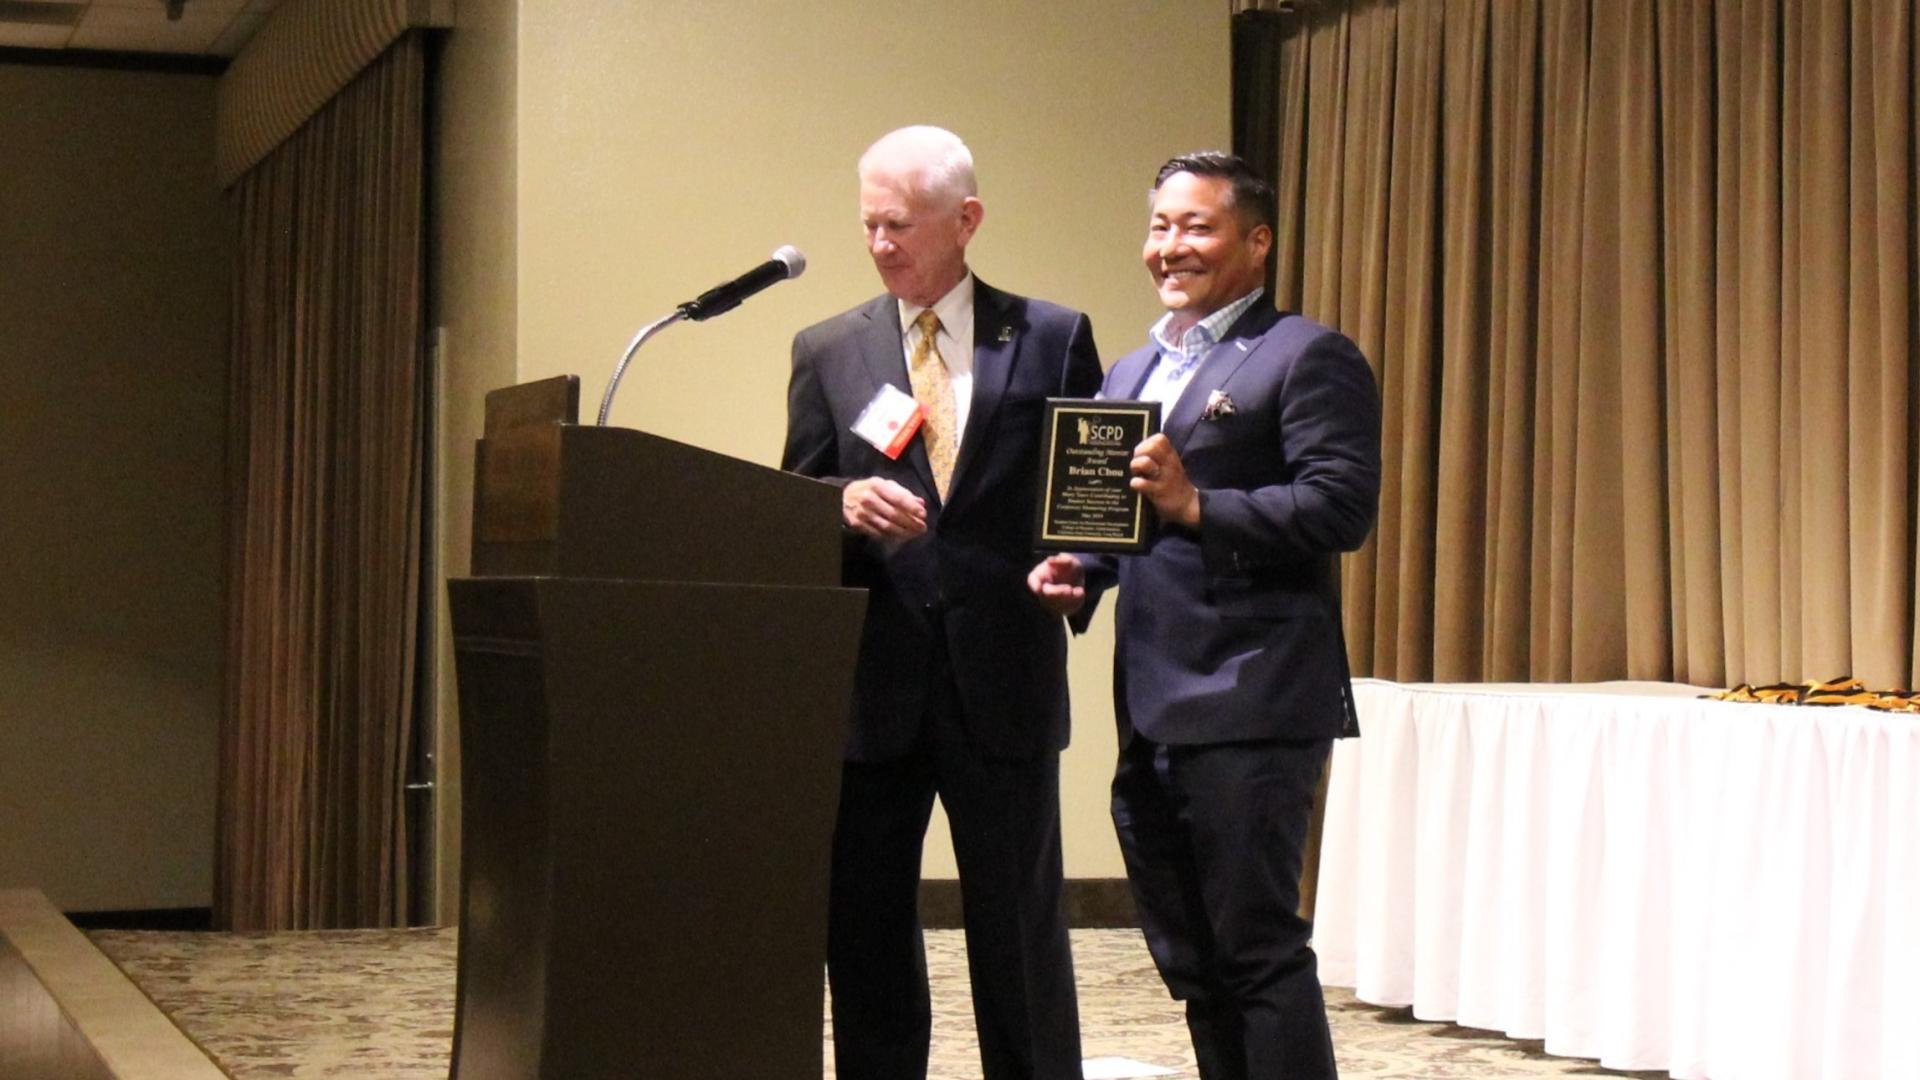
(1219,404)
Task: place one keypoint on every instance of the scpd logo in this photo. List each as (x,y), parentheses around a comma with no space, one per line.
(1094,431)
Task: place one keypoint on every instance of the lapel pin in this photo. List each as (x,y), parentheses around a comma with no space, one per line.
(1006,334)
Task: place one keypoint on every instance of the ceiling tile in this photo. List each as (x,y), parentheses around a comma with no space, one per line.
(160,6)
(206,27)
(36,13)
(34,36)
(128,30)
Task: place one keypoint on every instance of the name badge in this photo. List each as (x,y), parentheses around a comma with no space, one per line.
(889,420)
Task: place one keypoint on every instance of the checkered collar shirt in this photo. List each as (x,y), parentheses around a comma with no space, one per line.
(1177,362)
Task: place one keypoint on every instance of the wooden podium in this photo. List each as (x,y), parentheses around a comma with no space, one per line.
(654,663)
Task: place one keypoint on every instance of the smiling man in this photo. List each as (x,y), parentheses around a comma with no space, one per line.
(1230,670)
(961,685)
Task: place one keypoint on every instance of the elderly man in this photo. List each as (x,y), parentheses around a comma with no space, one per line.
(1230,672)
(961,685)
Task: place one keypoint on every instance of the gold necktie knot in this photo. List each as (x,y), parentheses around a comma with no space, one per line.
(933,388)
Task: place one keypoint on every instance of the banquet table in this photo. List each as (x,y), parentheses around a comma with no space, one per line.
(1633,874)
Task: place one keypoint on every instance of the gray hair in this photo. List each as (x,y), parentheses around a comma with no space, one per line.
(932,160)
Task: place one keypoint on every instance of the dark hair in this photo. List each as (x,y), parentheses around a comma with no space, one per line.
(1252,198)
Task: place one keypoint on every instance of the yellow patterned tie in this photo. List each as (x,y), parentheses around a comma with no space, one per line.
(927,373)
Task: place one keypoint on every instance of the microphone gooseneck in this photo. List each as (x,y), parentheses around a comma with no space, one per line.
(787,262)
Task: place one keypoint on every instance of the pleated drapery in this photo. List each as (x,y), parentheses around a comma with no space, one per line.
(1637,280)
(325,557)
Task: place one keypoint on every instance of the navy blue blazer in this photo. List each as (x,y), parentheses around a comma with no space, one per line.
(1233,632)
(961,588)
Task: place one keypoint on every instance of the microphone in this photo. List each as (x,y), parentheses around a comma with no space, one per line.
(786,263)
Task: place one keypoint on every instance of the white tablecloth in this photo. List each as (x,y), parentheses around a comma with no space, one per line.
(1719,890)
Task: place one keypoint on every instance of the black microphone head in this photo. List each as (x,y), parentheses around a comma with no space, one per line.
(785,263)
(789,256)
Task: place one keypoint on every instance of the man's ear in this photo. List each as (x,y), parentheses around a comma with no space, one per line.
(1260,241)
(972,212)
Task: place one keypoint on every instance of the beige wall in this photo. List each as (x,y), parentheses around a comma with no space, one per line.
(476,306)
(113,251)
(599,162)
(664,147)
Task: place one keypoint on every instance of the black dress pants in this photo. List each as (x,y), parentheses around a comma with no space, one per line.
(1005,819)
(1212,836)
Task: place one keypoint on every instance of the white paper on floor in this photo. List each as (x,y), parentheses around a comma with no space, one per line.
(1119,1068)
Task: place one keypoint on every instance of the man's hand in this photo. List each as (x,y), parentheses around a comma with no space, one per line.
(1059,583)
(882,509)
(1159,473)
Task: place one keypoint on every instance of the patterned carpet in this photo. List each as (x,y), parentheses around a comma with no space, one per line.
(378,1005)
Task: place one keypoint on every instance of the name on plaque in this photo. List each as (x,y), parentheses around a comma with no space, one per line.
(1086,503)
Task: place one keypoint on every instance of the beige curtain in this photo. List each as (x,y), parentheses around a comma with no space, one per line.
(326,454)
(1637,279)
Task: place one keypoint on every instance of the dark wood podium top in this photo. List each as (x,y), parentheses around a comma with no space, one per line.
(554,498)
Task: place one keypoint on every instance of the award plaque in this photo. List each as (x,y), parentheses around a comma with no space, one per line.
(1086,503)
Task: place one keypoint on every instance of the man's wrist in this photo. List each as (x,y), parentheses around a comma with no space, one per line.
(1190,511)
